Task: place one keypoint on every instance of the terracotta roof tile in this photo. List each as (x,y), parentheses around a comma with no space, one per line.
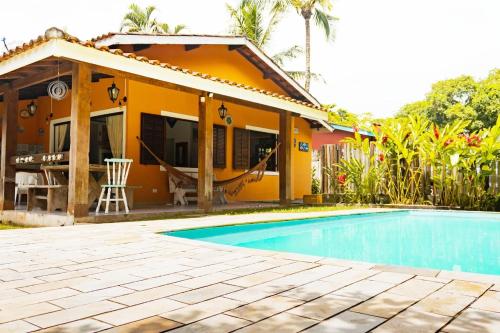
(54,33)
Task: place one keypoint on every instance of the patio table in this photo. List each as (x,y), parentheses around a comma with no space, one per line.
(96,177)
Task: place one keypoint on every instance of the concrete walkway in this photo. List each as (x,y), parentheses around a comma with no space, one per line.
(125,277)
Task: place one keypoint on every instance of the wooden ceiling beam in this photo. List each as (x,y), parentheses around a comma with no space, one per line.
(140,47)
(190,47)
(13,76)
(266,75)
(143,79)
(233,47)
(39,77)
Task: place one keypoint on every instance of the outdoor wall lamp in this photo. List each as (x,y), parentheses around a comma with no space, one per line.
(31,107)
(113,92)
(222,111)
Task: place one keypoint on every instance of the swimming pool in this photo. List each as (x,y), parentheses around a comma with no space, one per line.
(459,241)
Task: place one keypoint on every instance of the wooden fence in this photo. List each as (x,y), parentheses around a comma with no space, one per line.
(326,159)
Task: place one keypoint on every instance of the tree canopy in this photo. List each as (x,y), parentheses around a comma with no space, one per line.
(141,20)
(461,98)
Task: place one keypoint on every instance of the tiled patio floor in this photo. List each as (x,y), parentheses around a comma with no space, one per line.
(124,277)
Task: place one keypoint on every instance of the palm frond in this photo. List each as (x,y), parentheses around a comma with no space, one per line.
(288,54)
(142,20)
(325,22)
(179,28)
(301,76)
(254,20)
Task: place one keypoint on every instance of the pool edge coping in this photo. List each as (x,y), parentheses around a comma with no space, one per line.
(454,275)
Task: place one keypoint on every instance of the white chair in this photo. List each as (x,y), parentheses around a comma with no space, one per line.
(118,169)
(23,180)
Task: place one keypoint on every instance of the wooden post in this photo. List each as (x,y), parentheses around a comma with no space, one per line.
(205,155)
(80,135)
(285,158)
(9,146)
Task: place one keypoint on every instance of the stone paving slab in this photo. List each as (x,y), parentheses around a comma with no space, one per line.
(413,321)
(202,310)
(204,293)
(347,322)
(489,301)
(385,305)
(18,326)
(84,325)
(264,308)
(216,324)
(148,325)
(444,303)
(324,307)
(474,320)
(125,277)
(283,323)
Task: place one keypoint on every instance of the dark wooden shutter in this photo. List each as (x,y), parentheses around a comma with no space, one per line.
(241,149)
(219,146)
(153,135)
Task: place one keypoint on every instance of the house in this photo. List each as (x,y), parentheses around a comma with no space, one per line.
(172,91)
(334,134)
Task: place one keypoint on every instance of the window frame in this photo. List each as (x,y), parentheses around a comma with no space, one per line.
(248,130)
(99,113)
(192,119)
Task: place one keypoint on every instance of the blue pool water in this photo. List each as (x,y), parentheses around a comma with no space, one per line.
(459,241)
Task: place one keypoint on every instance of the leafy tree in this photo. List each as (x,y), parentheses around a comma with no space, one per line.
(486,100)
(343,117)
(256,20)
(318,10)
(461,98)
(141,20)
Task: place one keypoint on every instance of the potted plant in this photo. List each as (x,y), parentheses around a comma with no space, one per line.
(314,198)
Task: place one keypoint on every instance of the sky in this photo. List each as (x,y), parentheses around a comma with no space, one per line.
(386,53)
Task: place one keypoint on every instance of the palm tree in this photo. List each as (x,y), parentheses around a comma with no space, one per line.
(319,11)
(249,19)
(165,28)
(141,20)
(256,20)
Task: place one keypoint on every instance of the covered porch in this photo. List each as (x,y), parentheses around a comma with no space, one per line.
(25,74)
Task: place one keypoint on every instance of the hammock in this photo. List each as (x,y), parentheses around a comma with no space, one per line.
(231,186)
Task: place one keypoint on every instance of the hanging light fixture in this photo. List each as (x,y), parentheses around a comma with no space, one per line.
(31,107)
(222,111)
(113,92)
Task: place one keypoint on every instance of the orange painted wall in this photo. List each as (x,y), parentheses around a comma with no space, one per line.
(215,60)
(150,99)
(31,134)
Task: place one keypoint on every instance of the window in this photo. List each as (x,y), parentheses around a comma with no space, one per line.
(152,133)
(175,141)
(250,147)
(106,137)
(61,137)
(219,146)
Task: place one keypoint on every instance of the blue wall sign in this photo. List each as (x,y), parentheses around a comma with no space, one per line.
(303,146)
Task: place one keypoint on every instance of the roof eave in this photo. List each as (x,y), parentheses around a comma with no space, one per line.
(126,39)
(75,52)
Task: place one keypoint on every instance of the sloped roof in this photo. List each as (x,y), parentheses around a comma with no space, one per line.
(350,129)
(58,35)
(240,44)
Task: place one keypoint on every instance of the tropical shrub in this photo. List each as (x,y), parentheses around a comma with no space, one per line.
(315,184)
(413,161)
